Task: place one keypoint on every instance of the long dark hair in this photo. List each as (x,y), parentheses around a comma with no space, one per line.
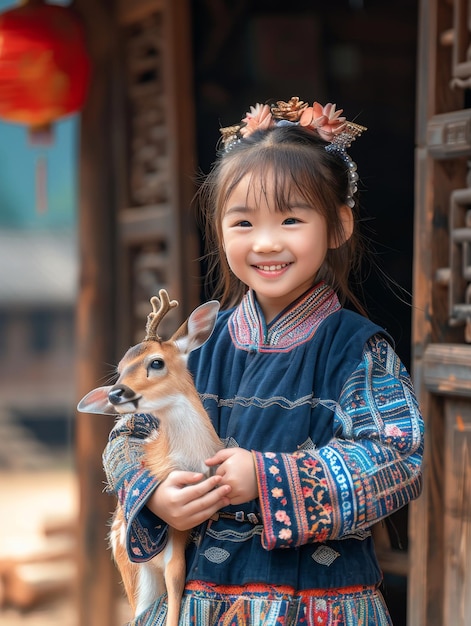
(296,160)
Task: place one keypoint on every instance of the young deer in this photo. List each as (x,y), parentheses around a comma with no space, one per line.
(154,379)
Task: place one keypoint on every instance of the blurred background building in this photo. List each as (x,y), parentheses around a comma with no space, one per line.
(38,293)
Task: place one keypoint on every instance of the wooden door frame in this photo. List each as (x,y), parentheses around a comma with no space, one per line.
(101,329)
(439,349)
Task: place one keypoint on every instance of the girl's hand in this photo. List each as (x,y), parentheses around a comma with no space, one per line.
(237,469)
(183,500)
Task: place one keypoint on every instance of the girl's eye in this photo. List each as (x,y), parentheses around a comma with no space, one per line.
(291,220)
(244,224)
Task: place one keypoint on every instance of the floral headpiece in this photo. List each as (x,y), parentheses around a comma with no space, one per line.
(325,121)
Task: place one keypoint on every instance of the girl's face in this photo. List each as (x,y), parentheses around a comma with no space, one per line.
(278,255)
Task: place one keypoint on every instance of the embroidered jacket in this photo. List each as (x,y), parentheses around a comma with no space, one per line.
(329,412)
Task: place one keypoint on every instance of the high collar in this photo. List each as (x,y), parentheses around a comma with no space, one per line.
(292,327)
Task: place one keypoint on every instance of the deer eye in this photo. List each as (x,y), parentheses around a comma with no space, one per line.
(157,364)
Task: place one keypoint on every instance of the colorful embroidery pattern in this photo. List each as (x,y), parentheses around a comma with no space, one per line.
(369,469)
(132,487)
(299,325)
(207,604)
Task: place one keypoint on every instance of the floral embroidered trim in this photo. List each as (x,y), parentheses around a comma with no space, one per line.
(294,327)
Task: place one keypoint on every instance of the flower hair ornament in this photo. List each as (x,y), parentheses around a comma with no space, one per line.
(325,121)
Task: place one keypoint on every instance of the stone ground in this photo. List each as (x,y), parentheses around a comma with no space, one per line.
(54,613)
(29,501)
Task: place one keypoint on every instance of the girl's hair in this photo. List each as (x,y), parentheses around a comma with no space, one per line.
(293,160)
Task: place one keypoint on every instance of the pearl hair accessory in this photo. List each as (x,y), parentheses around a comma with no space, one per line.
(339,144)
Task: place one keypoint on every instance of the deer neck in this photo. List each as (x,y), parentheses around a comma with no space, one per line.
(185,437)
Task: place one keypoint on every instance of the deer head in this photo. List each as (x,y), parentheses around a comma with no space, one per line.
(154,373)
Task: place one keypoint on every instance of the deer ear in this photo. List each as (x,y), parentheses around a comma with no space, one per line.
(96,401)
(198,327)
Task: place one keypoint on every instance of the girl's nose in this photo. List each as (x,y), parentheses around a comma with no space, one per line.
(266,242)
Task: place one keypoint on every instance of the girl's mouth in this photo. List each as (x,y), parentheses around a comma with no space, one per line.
(272,268)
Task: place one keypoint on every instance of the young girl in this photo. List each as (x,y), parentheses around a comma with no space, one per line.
(322,430)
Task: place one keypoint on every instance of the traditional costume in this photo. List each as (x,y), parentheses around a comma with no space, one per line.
(329,411)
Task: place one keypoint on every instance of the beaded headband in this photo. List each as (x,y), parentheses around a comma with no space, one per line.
(325,121)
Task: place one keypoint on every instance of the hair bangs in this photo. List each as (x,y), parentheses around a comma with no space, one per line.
(289,176)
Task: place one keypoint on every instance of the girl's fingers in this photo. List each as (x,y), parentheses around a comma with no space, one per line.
(199,510)
(220,456)
(208,499)
(179,478)
(185,500)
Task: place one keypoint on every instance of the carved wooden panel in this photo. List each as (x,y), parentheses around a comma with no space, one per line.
(145,226)
(461,70)
(449,134)
(149,175)
(439,548)
(460,259)
(157,238)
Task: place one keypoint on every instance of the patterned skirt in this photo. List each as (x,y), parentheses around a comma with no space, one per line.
(206,604)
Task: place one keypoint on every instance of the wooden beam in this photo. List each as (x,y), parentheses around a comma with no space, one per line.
(447,369)
(97,577)
(182,149)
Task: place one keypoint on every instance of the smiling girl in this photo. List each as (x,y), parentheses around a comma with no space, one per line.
(322,431)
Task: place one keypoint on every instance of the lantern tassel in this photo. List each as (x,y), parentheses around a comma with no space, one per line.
(41,136)
(41,184)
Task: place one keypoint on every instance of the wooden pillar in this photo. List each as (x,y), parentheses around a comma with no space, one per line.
(439,520)
(97,584)
(136,230)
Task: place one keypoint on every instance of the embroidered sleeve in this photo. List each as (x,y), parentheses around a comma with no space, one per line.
(371,468)
(133,484)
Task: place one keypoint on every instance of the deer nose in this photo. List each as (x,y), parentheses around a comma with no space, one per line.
(120,394)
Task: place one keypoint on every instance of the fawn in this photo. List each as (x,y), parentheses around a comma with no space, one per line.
(154,379)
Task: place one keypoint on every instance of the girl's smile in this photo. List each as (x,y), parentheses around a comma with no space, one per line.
(277,254)
(271,268)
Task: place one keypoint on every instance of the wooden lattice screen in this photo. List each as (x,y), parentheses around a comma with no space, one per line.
(157,243)
(440,521)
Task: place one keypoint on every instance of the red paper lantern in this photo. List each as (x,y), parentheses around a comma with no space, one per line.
(44,66)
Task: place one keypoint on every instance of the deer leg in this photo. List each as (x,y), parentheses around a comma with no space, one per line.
(144,582)
(127,569)
(175,572)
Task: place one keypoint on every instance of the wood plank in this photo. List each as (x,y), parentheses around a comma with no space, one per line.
(98,581)
(457,505)
(178,80)
(447,369)
(145,223)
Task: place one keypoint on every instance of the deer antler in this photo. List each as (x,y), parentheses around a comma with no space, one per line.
(154,318)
